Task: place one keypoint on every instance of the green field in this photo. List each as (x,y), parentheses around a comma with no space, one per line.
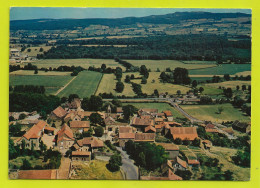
(231,84)
(160,106)
(209,113)
(43,73)
(84,85)
(222,69)
(36,50)
(163,64)
(85,63)
(51,83)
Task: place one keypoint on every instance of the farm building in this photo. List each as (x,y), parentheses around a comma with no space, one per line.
(80,156)
(91,144)
(184,133)
(141,124)
(171,149)
(79,126)
(58,113)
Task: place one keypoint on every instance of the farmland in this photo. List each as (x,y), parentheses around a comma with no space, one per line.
(36,50)
(160,106)
(163,64)
(43,73)
(85,63)
(209,112)
(231,84)
(84,85)
(51,83)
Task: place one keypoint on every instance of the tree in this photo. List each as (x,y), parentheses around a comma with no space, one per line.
(243,87)
(205,100)
(228,92)
(228,175)
(22,116)
(237,87)
(227,77)
(132,76)
(127,79)
(144,71)
(196,142)
(178,141)
(144,80)
(95,118)
(26,165)
(41,49)
(181,76)
(129,110)
(114,163)
(220,109)
(36,71)
(29,50)
(103,67)
(72,96)
(156,92)
(178,92)
(201,89)
(99,131)
(194,83)
(120,87)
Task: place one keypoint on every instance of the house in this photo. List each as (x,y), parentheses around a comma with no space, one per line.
(149,129)
(173,124)
(58,113)
(171,149)
(33,136)
(140,124)
(125,137)
(170,176)
(159,127)
(79,126)
(193,163)
(144,137)
(210,128)
(72,116)
(242,126)
(168,115)
(84,114)
(119,111)
(81,156)
(91,144)
(37,174)
(184,133)
(109,121)
(147,111)
(179,164)
(158,120)
(64,139)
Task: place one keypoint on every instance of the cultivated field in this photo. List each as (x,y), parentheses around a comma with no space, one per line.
(84,85)
(51,83)
(231,84)
(163,64)
(160,106)
(222,69)
(150,86)
(209,112)
(43,73)
(85,63)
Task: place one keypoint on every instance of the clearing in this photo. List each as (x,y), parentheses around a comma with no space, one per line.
(84,85)
(95,169)
(209,112)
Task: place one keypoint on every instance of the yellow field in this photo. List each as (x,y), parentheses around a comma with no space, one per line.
(31,72)
(36,50)
(244,73)
(231,84)
(149,87)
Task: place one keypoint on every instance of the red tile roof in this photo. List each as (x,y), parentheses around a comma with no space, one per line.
(79,124)
(211,130)
(48,128)
(183,133)
(59,112)
(210,126)
(65,133)
(92,141)
(149,128)
(119,110)
(193,161)
(34,131)
(81,153)
(37,174)
(125,129)
(144,137)
(173,176)
(126,135)
(182,162)
(142,122)
(168,146)
(168,113)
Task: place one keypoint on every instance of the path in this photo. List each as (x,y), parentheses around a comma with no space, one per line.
(63,171)
(65,86)
(128,166)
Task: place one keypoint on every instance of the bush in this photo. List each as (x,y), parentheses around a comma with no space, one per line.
(115,162)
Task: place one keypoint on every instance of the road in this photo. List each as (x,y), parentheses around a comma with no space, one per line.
(128,166)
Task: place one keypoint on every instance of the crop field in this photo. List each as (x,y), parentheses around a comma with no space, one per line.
(85,63)
(231,84)
(43,73)
(222,69)
(85,84)
(160,106)
(51,83)
(210,113)
(163,64)
(151,85)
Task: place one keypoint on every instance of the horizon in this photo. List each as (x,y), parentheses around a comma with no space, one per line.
(32,13)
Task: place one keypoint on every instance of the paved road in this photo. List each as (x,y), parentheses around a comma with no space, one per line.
(128,166)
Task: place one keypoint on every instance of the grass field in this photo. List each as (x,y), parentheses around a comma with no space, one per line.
(85,63)
(84,85)
(231,84)
(163,64)
(150,86)
(160,106)
(199,62)
(36,50)
(209,113)
(222,69)
(94,169)
(43,73)
(210,90)
(51,83)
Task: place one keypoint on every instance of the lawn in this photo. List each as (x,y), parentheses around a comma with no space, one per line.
(222,69)
(85,63)
(51,83)
(160,106)
(84,85)
(163,64)
(153,82)
(209,113)
(94,169)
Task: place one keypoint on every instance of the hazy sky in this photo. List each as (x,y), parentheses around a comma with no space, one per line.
(23,13)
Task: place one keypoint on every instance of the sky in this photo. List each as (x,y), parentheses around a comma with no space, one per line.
(24,13)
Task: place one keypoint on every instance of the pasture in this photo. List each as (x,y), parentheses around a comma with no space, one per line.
(163,64)
(85,84)
(85,63)
(160,106)
(231,84)
(36,50)
(210,112)
(42,73)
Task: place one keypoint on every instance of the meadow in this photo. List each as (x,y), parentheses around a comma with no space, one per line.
(36,50)
(210,112)
(85,84)
(160,106)
(41,73)
(231,84)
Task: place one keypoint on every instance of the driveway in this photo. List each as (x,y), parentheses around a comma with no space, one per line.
(128,166)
